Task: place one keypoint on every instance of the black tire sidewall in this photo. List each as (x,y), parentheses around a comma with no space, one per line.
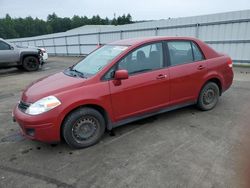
(70,121)
(201,104)
(27,68)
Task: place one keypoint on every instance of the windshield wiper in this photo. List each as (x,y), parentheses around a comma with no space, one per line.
(79,73)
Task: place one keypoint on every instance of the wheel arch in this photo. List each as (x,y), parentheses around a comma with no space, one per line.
(214,79)
(98,108)
(25,54)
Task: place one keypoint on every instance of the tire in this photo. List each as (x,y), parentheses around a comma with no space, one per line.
(83,128)
(208,96)
(31,63)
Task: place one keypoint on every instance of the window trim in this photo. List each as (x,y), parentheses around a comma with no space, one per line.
(191,44)
(183,40)
(194,43)
(166,52)
(165,64)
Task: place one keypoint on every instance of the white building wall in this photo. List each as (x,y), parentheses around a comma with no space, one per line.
(226,32)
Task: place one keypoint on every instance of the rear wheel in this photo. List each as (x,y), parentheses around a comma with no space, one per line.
(83,127)
(209,96)
(31,63)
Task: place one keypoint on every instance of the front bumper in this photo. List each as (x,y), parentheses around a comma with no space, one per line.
(38,127)
(45,57)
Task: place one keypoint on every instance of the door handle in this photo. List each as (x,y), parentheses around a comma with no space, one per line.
(161,76)
(200,67)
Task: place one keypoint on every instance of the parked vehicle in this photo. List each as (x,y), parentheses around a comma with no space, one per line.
(122,82)
(45,55)
(22,58)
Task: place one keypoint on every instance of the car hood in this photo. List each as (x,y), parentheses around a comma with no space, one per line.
(50,85)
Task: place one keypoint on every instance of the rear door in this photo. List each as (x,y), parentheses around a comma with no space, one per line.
(187,68)
(147,87)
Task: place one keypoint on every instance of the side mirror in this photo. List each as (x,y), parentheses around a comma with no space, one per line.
(121,74)
(11,47)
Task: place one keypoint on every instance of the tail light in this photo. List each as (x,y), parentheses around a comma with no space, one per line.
(230,63)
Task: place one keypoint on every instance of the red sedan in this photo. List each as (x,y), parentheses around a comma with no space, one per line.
(122,82)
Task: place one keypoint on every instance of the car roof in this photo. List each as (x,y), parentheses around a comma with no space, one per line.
(141,40)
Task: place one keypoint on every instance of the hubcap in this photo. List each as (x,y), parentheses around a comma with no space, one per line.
(84,129)
(209,96)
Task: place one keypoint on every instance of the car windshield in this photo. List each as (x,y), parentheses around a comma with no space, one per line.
(94,62)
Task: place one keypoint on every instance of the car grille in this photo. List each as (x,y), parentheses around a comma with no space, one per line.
(23,106)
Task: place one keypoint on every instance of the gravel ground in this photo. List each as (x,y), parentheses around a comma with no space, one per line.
(182,148)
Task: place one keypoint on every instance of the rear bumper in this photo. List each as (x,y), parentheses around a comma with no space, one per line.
(36,127)
(228,80)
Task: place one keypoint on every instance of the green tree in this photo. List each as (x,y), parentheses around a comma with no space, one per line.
(8,27)
(76,21)
(28,27)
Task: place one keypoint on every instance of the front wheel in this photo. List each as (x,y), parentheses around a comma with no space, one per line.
(83,127)
(31,63)
(209,96)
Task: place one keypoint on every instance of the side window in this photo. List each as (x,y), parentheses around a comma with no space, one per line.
(110,73)
(180,52)
(146,58)
(4,46)
(198,56)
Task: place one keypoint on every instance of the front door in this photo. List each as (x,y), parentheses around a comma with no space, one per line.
(147,88)
(7,54)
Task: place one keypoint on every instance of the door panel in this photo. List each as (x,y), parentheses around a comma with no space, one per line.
(186,72)
(147,87)
(186,81)
(7,55)
(140,93)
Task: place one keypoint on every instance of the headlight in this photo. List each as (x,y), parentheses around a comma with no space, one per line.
(43,105)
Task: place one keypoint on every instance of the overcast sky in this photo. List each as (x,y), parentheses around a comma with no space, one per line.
(139,9)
